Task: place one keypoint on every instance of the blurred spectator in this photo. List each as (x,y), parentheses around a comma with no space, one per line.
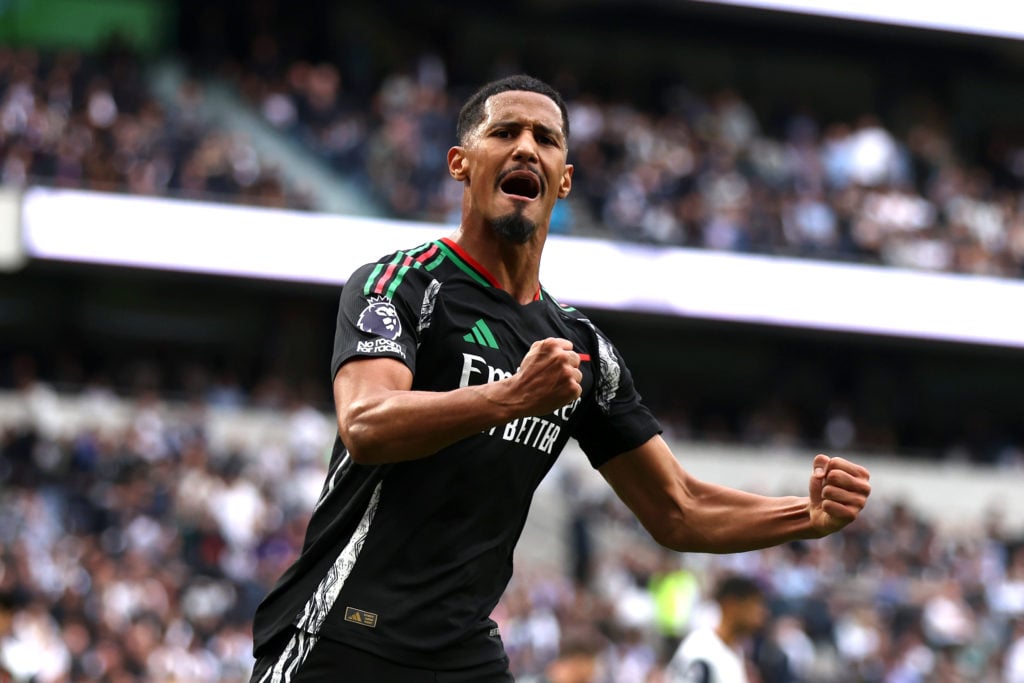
(1013,662)
(31,647)
(578,660)
(715,654)
(88,121)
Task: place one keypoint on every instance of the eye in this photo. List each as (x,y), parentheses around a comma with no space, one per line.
(502,133)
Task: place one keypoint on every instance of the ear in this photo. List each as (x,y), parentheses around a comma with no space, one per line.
(566,184)
(457,163)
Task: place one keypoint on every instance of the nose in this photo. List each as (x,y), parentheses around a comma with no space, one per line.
(526,147)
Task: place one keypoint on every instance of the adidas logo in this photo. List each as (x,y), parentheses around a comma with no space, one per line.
(361,617)
(481,334)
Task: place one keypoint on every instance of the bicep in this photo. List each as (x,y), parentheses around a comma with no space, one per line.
(652,483)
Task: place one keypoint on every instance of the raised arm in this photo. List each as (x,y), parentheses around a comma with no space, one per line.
(684,513)
(380,418)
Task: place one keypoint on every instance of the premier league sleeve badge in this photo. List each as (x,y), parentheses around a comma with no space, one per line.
(380,319)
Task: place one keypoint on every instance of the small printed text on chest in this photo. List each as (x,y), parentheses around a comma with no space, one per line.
(534,432)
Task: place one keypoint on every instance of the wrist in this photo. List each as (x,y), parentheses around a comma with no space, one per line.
(816,526)
(502,399)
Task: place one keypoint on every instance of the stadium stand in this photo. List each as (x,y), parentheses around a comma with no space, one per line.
(139,534)
(702,173)
(145,507)
(700,170)
(72,119)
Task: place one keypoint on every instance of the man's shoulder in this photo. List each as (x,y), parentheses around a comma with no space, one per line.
(693,660)
(701,637)
(400,270)
(420,253)
(697,671)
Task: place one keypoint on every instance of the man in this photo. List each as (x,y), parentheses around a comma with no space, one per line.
(578,660)
(457,381)
(715,655)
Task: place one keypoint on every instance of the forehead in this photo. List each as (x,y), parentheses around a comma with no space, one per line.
(523,106)
(750,601)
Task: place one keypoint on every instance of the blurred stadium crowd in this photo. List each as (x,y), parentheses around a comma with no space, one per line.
(138,537)
(701,171)
(73,119)
(135,546)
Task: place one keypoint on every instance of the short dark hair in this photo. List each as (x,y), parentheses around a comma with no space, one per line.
(472,112)
(737,588)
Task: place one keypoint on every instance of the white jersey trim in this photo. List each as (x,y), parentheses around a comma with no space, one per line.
(323,599)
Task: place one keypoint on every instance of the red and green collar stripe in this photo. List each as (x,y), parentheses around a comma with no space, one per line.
(386,277)
(470,266)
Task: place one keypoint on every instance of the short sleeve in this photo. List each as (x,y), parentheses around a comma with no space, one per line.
(616,419)
(377,326)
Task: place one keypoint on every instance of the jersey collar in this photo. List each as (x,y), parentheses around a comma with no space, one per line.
(472,267)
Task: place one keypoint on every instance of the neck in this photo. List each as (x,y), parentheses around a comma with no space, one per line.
(728,635)
(516,267)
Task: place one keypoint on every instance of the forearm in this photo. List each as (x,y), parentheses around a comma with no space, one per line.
(717,519)
(381,419)
(687,514)
(392,426)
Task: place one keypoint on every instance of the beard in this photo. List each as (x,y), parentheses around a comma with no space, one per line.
(514,227)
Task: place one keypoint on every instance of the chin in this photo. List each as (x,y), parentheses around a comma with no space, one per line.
(514,227)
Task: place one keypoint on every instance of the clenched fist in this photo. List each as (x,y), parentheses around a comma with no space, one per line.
(549,377)
(839,490)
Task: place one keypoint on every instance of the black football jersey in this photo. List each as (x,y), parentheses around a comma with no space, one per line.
(407,560)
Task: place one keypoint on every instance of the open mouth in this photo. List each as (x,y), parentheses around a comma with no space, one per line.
(521,185)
